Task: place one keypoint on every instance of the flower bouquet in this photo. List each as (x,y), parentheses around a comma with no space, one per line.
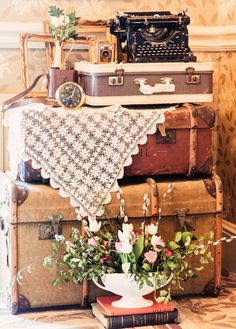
(118,246)
(62,27)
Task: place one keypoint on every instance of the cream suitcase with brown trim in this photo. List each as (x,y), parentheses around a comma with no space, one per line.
(195,204)
(146,83)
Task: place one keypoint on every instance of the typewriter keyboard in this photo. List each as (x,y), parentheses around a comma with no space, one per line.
(147,53)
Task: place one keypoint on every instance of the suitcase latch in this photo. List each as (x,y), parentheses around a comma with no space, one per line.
(184,221)
(47,231)
(168,138)
(117,80)
(191,77)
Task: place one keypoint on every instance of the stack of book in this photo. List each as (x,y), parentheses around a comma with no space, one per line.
(115,317)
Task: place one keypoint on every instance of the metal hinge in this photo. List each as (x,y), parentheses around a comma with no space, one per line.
(47,231)
(184,221)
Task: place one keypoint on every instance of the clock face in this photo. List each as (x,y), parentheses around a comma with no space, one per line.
(70,95)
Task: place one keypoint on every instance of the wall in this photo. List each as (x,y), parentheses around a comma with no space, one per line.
(212,38)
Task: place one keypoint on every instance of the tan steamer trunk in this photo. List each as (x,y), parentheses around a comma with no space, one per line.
(195,204)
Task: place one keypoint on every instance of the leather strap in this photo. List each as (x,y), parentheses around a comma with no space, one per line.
(14,101)
(153,195)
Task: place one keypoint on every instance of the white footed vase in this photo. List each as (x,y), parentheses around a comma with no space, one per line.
(125,286)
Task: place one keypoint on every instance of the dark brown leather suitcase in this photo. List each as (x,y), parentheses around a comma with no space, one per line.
(182,145)
(26,173)
(194,203)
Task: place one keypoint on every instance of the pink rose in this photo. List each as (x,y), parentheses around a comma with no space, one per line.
(168,252)
(151,256)
(105,243)
(92,241)
(118,246)
(105,259)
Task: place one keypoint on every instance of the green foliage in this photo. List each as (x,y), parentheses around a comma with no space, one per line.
(62,27)
(95,254)
(54,11)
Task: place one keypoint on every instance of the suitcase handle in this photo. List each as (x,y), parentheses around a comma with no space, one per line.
(166,86)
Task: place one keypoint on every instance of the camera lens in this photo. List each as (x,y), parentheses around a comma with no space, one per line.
(105,54)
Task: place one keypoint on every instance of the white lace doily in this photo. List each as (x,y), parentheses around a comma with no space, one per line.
(83,152)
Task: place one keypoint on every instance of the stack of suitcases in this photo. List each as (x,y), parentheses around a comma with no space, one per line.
(179,152)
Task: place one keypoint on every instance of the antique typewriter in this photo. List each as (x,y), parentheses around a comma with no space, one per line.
(152,37)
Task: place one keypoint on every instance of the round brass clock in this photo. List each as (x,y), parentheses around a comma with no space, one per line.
(70,95)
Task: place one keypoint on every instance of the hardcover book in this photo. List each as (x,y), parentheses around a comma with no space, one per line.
(135,320)
(106,303)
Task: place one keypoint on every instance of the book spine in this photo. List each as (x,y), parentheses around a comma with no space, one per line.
(138,320)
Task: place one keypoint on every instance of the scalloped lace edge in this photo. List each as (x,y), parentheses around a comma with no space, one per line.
(114,187)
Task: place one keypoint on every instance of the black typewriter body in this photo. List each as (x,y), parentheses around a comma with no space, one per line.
(152,37)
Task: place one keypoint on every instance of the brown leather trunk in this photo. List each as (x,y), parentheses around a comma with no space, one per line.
(195,204)
(182,145)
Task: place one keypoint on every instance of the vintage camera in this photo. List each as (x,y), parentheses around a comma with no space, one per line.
(105,52)
(57,77)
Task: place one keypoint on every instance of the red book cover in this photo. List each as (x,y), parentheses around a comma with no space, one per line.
(105,303)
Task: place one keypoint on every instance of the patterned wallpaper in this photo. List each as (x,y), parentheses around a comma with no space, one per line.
(201,12)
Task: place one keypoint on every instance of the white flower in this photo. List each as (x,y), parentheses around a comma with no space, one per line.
(126,234)
(126,247)
(127,228)
(122,208)
(152,229)
(58,21)
(157,241)
(74,229)
(59,237)
(55,21)
(123,236)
